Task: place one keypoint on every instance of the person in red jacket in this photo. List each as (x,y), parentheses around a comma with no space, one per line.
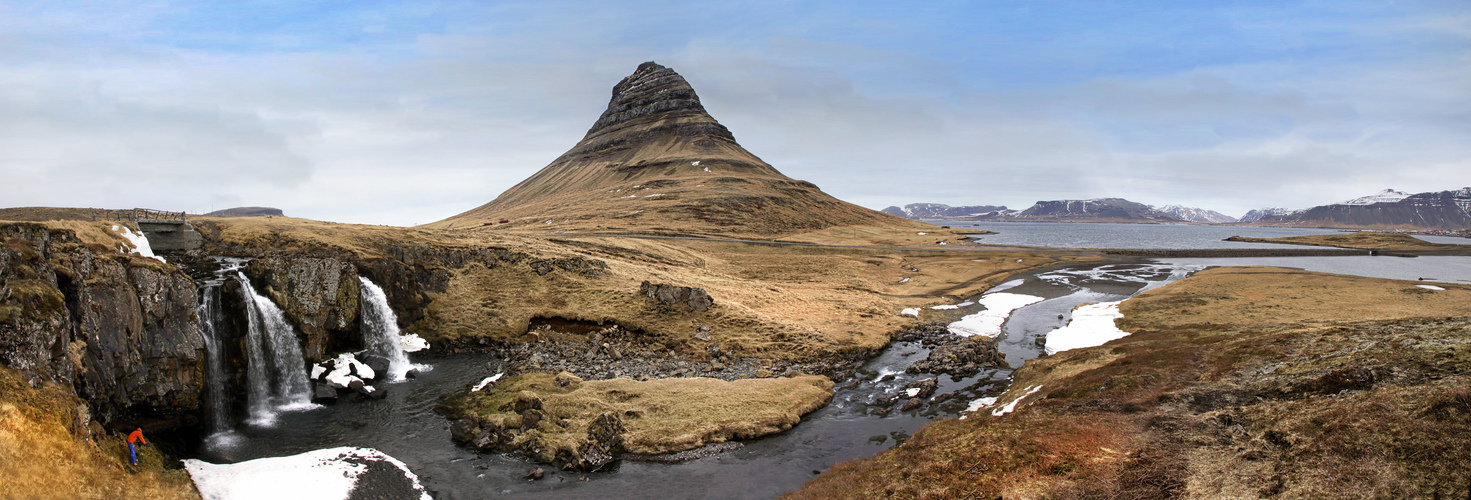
(136,436)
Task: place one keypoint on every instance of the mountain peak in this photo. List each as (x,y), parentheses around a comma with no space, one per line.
(656,162)
(652,93)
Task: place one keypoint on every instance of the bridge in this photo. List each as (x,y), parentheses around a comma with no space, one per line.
(141,215)
(166,231)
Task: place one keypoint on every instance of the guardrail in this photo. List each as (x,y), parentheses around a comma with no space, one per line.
(141,215)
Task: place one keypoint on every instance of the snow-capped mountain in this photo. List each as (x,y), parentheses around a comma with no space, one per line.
(1385,196)
(1432,210)
(1193,214)
(933,211)
(1258,214)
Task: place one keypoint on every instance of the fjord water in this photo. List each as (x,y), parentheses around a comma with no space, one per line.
(1136,236)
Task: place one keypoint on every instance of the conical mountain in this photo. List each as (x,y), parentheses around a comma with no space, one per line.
(656,163)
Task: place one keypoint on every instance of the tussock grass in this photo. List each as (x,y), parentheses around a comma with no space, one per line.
(43,455)
(658,416)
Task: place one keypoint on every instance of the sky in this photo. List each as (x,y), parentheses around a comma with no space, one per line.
(404,113)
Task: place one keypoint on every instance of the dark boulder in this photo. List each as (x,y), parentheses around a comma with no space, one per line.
(696,298)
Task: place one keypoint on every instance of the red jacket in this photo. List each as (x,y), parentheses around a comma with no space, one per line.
(136,436)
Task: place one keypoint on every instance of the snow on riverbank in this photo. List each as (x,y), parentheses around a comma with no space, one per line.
(1092,324)
(331,473)
(988,322)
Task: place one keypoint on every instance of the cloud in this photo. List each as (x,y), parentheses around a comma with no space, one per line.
(414,112)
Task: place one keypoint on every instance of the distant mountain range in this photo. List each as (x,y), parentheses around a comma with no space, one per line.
(1095,210)
(1193,214)
(1388,209)
(933,211)
(246,212)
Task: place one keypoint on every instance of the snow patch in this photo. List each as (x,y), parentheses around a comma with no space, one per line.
(1431,287)
(980,403)
(1092,325)
(905,280)
(910,311)
(412,342)
(911,392)
(988,322)
(696,163)
(320,474)
(945,306)
(488,380)
(1010,407)
(139,241)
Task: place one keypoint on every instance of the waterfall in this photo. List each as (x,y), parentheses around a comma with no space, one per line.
(276,372)
(380,330)
(210,316)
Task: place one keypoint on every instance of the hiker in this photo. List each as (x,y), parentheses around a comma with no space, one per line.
(136,436)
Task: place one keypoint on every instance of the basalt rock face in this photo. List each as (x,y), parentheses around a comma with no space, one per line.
(656,162)
(121,330)
(320,295)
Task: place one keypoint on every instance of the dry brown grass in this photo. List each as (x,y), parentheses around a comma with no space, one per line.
(1268,295)
(770,300)
(1363,399)
(1360,240)
(42,455)
(659,416)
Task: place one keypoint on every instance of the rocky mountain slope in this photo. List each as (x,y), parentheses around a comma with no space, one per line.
(936,211)
(1433,210)
(656,163)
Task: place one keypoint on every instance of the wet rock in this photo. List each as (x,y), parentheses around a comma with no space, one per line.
(962,357)
(535,474)
(412,373)
(379,364)
(605,439)
(910,404)
(323,393)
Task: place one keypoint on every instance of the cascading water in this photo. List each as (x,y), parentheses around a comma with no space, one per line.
(210,316)
(380,330)
(276,371)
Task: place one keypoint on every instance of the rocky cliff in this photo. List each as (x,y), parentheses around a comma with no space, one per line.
(119,329)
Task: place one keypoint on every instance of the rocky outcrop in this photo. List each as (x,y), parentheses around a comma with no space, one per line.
(696,298)
(320,295)
(962,357)
(119,329)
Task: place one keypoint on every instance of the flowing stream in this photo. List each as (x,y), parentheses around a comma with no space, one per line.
(404,425)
